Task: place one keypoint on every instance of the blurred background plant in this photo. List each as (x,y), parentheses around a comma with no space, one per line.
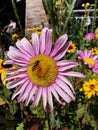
(81,114)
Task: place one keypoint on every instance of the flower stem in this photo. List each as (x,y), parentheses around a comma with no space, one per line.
(16,13)
(69,15)
(49,123)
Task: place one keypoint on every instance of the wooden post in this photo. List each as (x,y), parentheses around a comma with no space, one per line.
(35,13)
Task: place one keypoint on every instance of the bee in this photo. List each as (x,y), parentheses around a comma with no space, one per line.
(36,64)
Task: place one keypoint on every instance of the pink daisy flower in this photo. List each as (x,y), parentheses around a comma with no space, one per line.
(91,61)
(89,36)
(39,72)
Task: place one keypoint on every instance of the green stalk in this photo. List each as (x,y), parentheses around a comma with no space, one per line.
(50,10)
(94,14)
(69,15)
(16,13)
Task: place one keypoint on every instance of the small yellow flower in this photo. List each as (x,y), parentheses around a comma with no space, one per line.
(36,29)
(96,33)
(90,88)
(83,5)
(86,5)
(2,70)
(15,37)
(29,29)
(72,48)
(94,51)
(30,40)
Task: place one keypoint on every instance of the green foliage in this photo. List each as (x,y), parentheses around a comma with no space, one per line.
(81,114)
(59,16)
(20,127)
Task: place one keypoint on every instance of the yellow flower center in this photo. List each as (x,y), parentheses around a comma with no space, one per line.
(72,48)
(42,70)
(92,86)
(89,61)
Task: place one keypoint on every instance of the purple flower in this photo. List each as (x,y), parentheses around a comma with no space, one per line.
(89,36)
(39,72)
(91,61)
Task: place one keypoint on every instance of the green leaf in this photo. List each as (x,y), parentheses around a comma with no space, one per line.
(14,107)
(6,93)
(58,123)
(80,112)
(20,126)
(2,102)
(46,125)
(52,119)
(73,56)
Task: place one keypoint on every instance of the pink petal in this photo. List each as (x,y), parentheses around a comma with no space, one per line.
(32,92)
(50,100)
(80,54)
(43,40)
(67,67)
(23,69)
(21,96)
(64,79)
(17,60)
(11,71)
(35,43)
(18,91)
(95,57)
(62,94)
(44,96)
(95,70)
(26,92)
(37,98)
(48,42)
(65,62)
(61,52)
(15,53)
(25,47)
(64,87)
(17,75)
(59,44)
(9,62)
(55,94)
(73,74)
(16,82)
(87,53)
